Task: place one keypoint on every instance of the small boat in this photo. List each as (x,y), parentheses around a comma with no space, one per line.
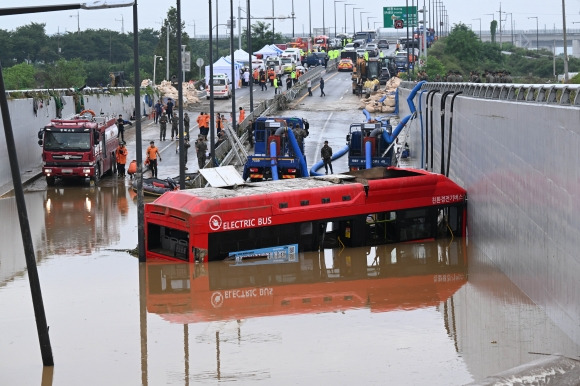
(156,186)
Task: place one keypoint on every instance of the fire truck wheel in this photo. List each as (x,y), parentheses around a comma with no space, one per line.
(50,181)
(97,175)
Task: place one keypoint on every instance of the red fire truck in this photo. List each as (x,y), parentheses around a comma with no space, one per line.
(80,147)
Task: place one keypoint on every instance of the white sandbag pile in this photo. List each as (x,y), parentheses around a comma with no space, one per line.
(189,92)
(372,104)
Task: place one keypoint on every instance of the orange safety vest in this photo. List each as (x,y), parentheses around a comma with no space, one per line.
(199,120)
(152,152)
(121,155)
(256,74)
(242,115)
(206,120)
(271,74)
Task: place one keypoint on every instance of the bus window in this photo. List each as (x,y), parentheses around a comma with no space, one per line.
(168,241)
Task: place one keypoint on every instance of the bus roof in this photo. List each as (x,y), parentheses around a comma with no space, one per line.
(369,184)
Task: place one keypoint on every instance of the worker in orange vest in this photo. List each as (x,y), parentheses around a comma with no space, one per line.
(242,115)
(256,74)
(206,119)
(271,76)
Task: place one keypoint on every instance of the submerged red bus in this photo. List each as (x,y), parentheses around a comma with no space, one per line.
(362,208)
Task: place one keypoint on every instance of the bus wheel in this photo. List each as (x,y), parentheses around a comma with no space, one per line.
(50,181)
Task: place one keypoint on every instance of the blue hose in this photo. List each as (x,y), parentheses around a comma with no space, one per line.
(367,115)
(273,156)
(301,160)
(368,155)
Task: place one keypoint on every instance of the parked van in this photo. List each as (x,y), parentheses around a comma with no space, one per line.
(221,87)
(294,53)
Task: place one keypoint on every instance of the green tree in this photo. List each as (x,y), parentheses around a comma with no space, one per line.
(65,74)
(464,45)
(434,67)
(19,77)
(493,30)
(28,43)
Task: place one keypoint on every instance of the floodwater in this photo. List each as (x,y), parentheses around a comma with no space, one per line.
(408,314)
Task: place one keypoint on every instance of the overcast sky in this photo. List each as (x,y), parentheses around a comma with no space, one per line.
(195,13)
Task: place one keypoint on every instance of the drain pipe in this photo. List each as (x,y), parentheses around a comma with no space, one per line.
(421,120)
(273,161)
(368,155)
(443,97)
(429,130)
(450,132)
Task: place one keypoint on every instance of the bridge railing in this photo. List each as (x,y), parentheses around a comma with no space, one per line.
(557,94)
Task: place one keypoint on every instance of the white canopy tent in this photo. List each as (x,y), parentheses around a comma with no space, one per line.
(241,56)
(224,66)
(267,51)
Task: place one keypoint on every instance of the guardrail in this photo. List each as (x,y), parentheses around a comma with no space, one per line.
(558,94)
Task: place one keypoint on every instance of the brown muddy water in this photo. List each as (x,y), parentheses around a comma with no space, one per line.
(433,313)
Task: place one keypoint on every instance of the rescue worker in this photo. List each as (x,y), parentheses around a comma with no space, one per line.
(326,154)
(121,126)
(271,76)
(163,126)
(121,157)
(174,126)
(206,119)
(152,154)
(293,77)
(275,85)
(200,149)
(242,115)
(186,122)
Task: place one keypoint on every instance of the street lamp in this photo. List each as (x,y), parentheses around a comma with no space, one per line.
(155,57)
(360,17)
(336,1)
(368,23)
(353,22)
(479,18)
(345,15)
(537,33)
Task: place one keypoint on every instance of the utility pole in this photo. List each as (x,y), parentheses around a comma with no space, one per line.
(565,41)
(167,64)
(500,23)
(122,24)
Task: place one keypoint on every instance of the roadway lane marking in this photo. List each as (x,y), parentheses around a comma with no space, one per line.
(315,87)
(318,147)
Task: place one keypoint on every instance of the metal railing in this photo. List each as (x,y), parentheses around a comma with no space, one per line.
(560,94)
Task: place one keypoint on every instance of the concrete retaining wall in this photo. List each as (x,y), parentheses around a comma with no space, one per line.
(26,124)
(519,163)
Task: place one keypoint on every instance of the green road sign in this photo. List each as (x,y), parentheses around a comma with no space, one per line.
(407,14)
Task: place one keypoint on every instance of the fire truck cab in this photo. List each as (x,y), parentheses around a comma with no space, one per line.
(80,147)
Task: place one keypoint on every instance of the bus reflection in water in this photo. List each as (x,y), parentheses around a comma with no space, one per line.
(362,208)
(382,278)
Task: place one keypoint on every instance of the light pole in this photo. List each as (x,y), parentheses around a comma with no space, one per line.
(309,23)
(336,1)
(479,18)
(360,17)
(155,57)
(368,23)
(353,22)
(537,33)
(565,41)
(345,15)
(511,27)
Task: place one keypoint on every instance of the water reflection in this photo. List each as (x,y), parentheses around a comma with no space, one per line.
(403,276)
(386,278)
(79,220)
